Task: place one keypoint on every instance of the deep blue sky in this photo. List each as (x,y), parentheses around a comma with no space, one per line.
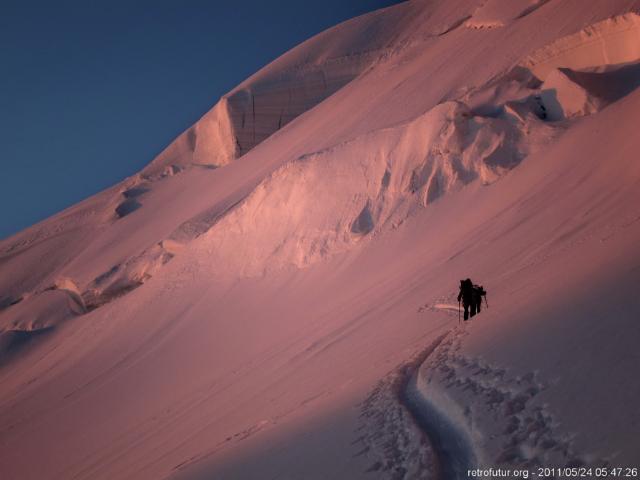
(91,91)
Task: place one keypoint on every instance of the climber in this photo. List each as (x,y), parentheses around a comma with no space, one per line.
(471,296)
(466,295)
(478,293)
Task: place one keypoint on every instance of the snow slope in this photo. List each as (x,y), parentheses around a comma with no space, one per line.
(283,90)
(270,296)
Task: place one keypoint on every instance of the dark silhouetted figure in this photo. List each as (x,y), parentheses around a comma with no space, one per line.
(466,295)
(478,293)
(471,296)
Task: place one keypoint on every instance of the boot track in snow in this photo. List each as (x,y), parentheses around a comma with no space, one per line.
(409,435)
(452,447)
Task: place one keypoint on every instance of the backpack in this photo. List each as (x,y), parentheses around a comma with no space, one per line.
(479,290)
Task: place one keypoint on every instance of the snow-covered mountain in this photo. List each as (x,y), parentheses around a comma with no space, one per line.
(274,296)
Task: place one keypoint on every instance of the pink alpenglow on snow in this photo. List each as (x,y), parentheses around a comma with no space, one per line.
(274,296)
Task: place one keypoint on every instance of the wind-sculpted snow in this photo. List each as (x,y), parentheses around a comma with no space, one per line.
(568,93)
(127,276)
(327,202)
(210,318)
(609,42)
(585,71)
(35,315)
(280,92)
(44,310)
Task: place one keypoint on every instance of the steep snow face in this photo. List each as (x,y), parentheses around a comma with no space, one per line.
(230,321)
(211,141)
(283,90)
(342,195)
(612,41)
(568,93)
(585,71)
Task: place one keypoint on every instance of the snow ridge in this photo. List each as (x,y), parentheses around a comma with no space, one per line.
(343,194)
(280,92)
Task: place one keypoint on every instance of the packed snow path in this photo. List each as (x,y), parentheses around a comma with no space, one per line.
(452,446)
(443,413)
(411,435)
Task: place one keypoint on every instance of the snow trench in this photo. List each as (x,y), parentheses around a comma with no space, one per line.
(443,413)
(412,436)
(452,444)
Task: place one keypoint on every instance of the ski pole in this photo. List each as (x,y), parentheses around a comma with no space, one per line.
(485,301)
(458,311)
